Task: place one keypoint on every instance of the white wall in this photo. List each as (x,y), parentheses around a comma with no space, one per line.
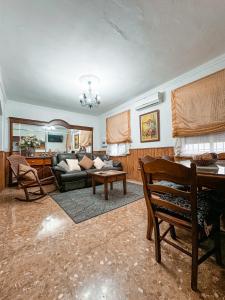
(24,110)
(2,113)
(165,108)
(28,111)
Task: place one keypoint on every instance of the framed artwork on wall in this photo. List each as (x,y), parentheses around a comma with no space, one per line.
(76,141)
(150,127)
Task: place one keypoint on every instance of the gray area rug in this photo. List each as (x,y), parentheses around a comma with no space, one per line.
(82,205)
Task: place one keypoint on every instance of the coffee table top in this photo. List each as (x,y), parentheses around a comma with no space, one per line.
(108,173)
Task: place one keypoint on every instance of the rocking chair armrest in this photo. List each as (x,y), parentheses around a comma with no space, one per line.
(20,176)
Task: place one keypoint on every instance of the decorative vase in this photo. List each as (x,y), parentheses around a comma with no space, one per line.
(23,152)
(30,152)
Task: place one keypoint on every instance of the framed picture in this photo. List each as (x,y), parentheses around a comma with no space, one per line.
(149,127)
(76,141)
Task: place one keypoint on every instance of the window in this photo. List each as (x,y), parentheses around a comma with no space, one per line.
(200,144)
(118,134)
(118,149)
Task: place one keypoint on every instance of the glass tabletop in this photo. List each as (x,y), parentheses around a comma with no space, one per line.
(218,168)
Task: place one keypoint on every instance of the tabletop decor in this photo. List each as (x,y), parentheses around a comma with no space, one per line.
(28,144)
(205,159)
(149,127)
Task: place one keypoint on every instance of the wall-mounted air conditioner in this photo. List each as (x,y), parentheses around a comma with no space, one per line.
(152,100)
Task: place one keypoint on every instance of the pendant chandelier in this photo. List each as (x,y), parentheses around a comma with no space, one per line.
(89,97)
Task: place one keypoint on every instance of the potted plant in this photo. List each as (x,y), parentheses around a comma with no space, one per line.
(28,144)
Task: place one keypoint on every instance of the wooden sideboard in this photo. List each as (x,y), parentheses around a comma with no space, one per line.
(39,162)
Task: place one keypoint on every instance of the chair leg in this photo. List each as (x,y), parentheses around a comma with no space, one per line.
(56,183)
(42,192)
(194,267)
(173,233)
(27,194)
(218,244)
(150,227)
(157,241)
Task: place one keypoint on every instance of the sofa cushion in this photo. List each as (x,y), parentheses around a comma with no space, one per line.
(30,175)
(86,163)
(80,155)
(98,163)
(105,168)
(64,166)
(108,163)
(73,164)
(102,156)
(117,163)
(73,176)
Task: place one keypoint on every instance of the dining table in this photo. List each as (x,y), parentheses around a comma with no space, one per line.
(212,176)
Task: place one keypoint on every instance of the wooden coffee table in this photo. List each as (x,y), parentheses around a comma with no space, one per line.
(106,177)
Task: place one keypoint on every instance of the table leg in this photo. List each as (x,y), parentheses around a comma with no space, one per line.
(124,186)
(111,185)
(106,192)
(93,185)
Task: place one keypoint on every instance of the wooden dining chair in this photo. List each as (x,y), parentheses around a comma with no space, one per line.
(29,179)
(177,208)
(168,157)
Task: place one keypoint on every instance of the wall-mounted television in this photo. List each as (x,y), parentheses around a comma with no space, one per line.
(55,138)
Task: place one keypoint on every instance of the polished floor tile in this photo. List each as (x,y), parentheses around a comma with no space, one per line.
(45,255)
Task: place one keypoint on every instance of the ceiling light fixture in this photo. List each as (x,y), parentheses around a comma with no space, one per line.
(89,96)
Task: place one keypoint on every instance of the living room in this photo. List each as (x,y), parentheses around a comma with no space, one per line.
(84,128)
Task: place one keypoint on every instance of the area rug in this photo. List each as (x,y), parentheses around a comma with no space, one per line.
(82,205)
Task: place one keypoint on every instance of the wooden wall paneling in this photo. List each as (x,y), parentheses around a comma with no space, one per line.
(130,162)
(7,169)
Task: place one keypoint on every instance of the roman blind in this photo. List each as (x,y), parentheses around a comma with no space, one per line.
(85,138)
(198,108)
(118,128)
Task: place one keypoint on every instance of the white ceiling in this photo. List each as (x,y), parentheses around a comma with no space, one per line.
(131,45)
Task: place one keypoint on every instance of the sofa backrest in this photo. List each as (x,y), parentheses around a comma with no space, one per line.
(63,156)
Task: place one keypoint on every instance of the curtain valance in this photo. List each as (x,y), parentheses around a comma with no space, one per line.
(198,108)
(118,128)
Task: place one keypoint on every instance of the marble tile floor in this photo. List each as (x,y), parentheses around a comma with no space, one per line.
(45,255)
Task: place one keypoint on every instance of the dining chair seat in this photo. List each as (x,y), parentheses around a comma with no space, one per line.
(207,212)
(172,184)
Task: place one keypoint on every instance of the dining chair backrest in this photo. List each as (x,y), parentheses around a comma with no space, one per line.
(155,170)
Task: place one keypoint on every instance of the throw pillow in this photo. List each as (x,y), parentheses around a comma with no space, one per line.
(64,166)
(86,163)
(98,163)
(108,163)
(30,175)
(73,164)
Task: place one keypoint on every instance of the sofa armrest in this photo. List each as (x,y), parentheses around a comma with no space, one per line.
(54,160)
(117,163)
(57,169)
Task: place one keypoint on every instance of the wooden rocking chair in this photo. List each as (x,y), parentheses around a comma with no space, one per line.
(24,183)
